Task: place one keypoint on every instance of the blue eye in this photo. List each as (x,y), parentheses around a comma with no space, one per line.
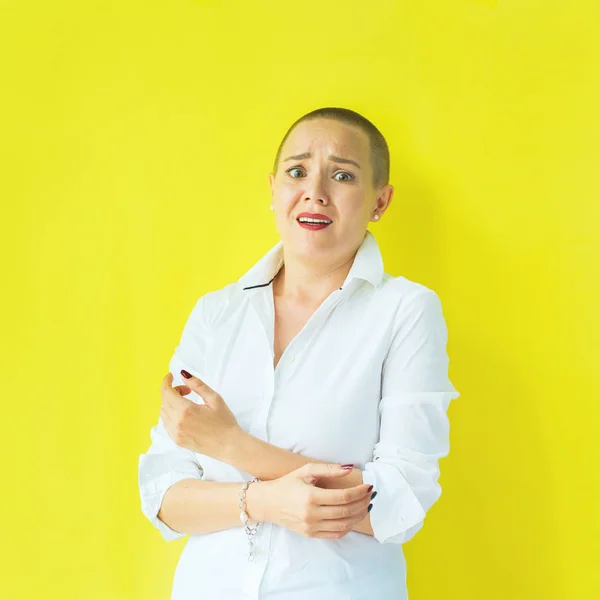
(293,169)
(351,177)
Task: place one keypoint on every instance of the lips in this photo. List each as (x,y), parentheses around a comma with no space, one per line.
(313,226)
(308,215)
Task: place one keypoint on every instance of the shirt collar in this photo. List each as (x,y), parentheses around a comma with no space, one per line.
(367,265)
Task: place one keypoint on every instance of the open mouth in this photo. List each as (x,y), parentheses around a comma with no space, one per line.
(313,224)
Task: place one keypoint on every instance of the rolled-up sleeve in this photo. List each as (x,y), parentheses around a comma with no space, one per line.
(165,463)
(414,426)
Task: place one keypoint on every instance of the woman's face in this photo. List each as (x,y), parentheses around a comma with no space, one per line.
(321,182)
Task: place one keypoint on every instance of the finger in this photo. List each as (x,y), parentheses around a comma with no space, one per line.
(342,526)
(313,470)
(168,410)
(173,397)
(167,385)
(167,399)
(182,390)
(344,511)
(167,380)
(208,395)
(323,496)
(328,534)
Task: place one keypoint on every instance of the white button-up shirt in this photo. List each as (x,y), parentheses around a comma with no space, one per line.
(364,382)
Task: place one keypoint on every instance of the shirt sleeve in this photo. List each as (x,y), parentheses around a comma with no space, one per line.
(414,427)
(165,463)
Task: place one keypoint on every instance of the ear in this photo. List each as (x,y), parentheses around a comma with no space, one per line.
(385,197)
(271,182)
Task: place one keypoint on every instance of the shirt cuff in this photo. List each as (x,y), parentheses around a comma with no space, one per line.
(397,514)
(153,491)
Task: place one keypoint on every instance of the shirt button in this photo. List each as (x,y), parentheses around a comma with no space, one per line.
(290,359)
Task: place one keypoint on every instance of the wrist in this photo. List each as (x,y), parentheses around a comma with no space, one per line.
(230,446)
(257,501)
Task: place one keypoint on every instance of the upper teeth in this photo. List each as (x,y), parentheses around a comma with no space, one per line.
(308,220)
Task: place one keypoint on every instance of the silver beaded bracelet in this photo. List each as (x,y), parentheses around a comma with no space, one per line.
(244,518)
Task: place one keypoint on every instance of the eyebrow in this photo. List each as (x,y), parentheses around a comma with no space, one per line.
(333,158)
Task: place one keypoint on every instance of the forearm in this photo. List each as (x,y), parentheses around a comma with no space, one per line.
(267,461)
(194,506)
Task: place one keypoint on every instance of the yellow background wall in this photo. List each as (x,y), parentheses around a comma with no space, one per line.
(135,143)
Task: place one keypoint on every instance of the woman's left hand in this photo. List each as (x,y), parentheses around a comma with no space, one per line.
(210,429)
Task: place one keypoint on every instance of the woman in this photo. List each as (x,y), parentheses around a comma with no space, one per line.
(318,378)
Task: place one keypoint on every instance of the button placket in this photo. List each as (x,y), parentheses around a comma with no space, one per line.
(321,313)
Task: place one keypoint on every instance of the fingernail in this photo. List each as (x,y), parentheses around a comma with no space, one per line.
(347,467)
(185,373)
(373,495)
(370,488)
(370,507)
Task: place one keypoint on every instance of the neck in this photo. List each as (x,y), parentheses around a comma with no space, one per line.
(309,283)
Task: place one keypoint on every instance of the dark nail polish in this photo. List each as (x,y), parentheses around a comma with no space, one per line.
(370,507)
(348,467)
(370,488)
(185,373)
(373,495)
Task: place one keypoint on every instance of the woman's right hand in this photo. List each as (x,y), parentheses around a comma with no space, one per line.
(293,501)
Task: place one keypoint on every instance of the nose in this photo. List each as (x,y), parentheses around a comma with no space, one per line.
(316,190)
